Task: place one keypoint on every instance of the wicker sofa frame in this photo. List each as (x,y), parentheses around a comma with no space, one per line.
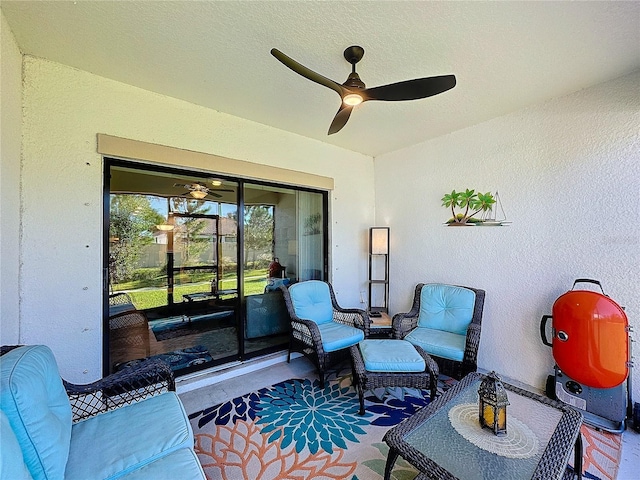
(365,380)
(403,323)
(129,385)
(304,335)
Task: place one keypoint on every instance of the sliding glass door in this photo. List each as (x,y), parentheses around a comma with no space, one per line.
(197,276)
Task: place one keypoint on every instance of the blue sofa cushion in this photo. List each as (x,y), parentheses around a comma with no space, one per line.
(180,464)
(37,406)
(391,356)
(336,336)
(446,307)
(439,343)
(312,301)
(12,464)
(116,443)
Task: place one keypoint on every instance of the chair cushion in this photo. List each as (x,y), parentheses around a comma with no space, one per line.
(439,343)
(336,336)
(446,307)
(312,301)
(183,464)
(391,356)
(11,462)
(118,442)
(37,406)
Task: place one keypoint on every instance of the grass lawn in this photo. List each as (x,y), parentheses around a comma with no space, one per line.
(156,297)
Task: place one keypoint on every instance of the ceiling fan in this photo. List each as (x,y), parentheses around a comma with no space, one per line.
(199,191)
(354,92)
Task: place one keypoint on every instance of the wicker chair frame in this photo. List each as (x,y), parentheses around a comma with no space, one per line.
(129,385)
(304,335)
(404,323)
(365,380)
(552,464)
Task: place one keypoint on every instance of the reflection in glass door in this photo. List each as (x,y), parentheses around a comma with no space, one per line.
(284,242)
(172,278)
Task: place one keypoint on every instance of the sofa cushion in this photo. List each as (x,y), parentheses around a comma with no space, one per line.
(391,356)
(12,464)
(336,336)
(118,442)
(182,464)
(37,406)
(446,307)
(312,301)
(439,343)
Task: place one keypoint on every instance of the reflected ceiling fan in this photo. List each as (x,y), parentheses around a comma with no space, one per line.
(354,92)
(199,191)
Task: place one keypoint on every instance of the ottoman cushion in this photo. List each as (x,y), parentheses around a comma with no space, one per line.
(391,356)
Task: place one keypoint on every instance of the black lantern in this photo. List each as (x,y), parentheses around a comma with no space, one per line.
(493,404)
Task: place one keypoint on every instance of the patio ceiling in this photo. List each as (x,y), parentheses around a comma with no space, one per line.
(505,55)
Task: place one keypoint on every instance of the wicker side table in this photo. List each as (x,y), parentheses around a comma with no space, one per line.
(365,380)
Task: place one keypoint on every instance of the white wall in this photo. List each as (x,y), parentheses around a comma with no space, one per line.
(568,175)
(10,138)
(61,285)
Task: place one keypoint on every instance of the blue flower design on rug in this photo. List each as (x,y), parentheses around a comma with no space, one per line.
(308,416)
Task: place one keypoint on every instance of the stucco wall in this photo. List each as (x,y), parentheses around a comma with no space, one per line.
(10,138)
(61,257)
(568,175)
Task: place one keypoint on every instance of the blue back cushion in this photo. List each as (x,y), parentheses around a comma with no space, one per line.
(36,404)
(11,463)
(312,301)
(446,307)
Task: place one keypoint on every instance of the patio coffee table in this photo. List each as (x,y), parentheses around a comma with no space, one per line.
(444,440)
(386,352)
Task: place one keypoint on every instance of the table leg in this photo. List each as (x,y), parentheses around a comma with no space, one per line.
(391,460)
(577,461)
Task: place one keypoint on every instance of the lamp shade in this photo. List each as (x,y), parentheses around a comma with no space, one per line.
(379,238)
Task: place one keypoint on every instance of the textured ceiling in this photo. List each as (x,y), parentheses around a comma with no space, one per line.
(505,55)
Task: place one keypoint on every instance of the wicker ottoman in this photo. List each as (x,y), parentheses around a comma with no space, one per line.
(392,363)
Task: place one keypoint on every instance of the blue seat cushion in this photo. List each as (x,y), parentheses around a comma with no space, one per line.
(312,301)
(446,307)
(336,336)
(182,463)
(12,465)
(38,409)
(439,343)
(391,356)
(118,442)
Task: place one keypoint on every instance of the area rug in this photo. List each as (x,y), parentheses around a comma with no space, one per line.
(180,326)
(178,359)
(297,430)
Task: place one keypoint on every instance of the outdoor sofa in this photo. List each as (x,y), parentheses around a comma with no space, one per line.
(130,425)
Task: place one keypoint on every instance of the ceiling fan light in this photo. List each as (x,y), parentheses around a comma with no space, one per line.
(352,99)
(199,194)
(216,183)
(164,227)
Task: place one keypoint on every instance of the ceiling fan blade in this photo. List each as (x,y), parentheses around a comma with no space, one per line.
(411,89)
(213,194)
(306,72)
(339,121)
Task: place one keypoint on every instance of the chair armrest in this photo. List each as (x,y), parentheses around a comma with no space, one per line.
(403,323)
(307,332)
(353,317)
(129,385)
(471,345)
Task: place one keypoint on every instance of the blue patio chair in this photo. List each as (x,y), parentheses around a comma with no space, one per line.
(445,321)
(320,329)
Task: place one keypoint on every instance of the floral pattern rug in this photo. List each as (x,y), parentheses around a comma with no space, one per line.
(297,430)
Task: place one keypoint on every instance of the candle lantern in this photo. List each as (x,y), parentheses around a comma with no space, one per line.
(492,404)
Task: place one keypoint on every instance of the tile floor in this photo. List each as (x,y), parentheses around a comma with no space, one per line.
(233,386)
